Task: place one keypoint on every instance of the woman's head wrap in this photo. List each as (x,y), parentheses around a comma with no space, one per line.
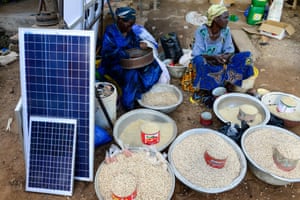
(126,13)
(214,11)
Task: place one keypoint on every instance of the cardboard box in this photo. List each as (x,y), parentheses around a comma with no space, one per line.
(276,29)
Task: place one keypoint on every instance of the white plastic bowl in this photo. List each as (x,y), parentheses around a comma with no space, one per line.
(164,88)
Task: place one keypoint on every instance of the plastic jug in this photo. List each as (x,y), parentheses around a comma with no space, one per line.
(255,15)
(259,3)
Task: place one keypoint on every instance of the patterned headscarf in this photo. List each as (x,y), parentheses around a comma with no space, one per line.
(214,11)
(126,13)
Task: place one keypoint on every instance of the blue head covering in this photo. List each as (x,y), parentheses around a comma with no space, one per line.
(126,13)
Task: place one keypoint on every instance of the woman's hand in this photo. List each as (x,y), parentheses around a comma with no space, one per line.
(143,45)
(225,58)
(218,59)
(221,59)
(214,60)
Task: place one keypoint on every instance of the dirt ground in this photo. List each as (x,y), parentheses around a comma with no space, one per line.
(279,70)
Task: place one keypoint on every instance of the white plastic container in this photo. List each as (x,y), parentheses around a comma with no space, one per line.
(110,104)
(218,91)
(247,83)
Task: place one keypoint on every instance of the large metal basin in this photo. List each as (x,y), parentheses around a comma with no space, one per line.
(144,114)
(198,188)
(97,184)
(164,88)
(260,172)
(272,99)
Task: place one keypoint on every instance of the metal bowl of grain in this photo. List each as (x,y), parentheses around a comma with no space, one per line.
(162,97)
(258,143)
(137,58)
(227,107)
(188,161)
(272,99)
(127,129)
(154,177)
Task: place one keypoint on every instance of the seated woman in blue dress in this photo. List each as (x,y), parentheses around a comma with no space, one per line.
(214,56)
(118,38)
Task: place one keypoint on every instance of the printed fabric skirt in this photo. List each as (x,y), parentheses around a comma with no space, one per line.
(209,77)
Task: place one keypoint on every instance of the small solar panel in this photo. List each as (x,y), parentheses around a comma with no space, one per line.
(57,71)
(51,155)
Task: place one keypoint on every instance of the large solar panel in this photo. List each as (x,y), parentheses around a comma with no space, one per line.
(57,71)
(51,155)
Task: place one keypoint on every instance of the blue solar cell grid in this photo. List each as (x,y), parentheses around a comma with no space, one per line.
(57,83)
(51,156)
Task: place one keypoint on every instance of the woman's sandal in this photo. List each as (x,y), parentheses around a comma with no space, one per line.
(197,96)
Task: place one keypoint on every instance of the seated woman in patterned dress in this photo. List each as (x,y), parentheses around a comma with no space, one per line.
(214,55)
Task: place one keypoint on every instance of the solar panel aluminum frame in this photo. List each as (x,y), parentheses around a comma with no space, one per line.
(26,115)
(18,116)
(39,174)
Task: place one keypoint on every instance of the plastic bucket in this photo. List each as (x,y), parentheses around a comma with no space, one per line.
(109,102)
(247,83)
(255,15)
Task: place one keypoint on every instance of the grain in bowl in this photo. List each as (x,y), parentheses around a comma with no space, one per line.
(162,97)
(124,186)
(259,143)
(152,175)
(165,98)
(187,157)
